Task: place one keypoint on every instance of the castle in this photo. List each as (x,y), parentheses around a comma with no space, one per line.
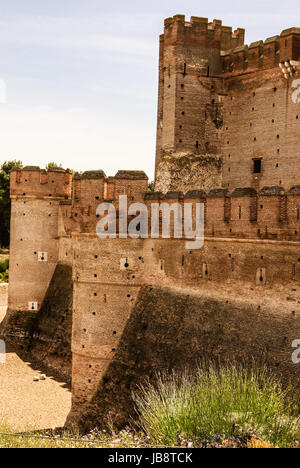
(228,136)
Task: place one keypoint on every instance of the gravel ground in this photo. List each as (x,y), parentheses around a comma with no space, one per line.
(28,405)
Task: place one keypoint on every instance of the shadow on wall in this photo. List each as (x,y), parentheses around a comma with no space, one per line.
(171,330)
(51,335)
(47,334)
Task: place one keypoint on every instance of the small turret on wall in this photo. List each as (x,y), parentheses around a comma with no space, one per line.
(35,198)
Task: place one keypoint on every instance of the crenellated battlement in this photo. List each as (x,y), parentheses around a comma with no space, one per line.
(244,213)
(228,139)
(95,186)
(92,188)
(236,58)
(32,181)
(200,32)
(221,101)
(262,55)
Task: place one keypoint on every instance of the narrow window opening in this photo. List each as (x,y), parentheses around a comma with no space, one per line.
(257,166)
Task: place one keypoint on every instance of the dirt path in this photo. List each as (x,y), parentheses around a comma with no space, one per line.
(25,404)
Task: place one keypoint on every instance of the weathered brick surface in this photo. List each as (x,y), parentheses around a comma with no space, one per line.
(233,105)
(173,330)
(103,304)
(222,106)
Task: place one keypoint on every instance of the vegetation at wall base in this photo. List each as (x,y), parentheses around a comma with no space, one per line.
(124,439)
(4,268)
(247,405)
(217,407)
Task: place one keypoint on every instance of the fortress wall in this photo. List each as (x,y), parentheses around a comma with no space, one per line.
(41,227)
(221,109)
(290,44)
(93,188)
(261,122)
(256,263)
(108,275)
(160,106)
(88,192)
(243,213)
(88,186)
(34,242)
(68,222)
(134,184)
(198,113)
(34,182)
(33,232)
(200,35)
(190,127)
(65,251)
(203,327)
(190,108)
(262,55)
(248,59)
(50,332)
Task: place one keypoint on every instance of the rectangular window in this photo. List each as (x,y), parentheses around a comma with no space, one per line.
(257,166)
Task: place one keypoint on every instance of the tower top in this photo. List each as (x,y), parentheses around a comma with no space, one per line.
(32,181)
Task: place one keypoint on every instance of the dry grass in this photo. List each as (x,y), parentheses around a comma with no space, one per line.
(255,443)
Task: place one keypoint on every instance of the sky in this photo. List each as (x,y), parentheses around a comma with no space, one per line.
(78,78)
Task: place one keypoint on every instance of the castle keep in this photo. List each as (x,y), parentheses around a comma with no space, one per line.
(228,136)
(226,117)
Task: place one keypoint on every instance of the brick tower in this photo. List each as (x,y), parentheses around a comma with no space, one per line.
(35,197)
(226,113)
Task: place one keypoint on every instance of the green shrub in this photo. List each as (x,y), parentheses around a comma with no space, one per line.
(231,400)
(4,277)
(4,265)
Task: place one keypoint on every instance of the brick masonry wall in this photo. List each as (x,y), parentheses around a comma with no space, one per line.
(108,275)
(34,245)
(220,110)
(34,228)
(93,188)
(34,182)
(217,112)
(261,121)
(243,213)
(50,336)
(172,329)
